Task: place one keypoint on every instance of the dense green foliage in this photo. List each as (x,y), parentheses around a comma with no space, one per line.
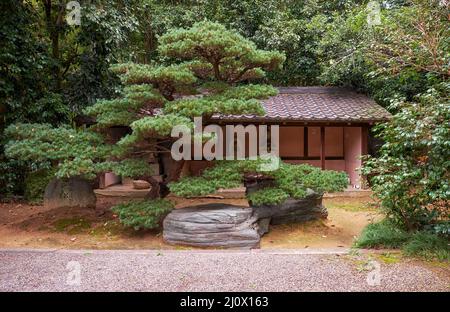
(35,184)
(423,244)
(287,181)
(50,70)
(409,68)
(268,196)
(406,54)
(144,214)
(20,88)
(412,172)
(383,234)
(291,26)
(72,152)
(12,175)
(65,68)
(428,246)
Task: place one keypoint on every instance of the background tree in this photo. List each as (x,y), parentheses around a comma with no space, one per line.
(411,175)
(403,56)
(50,71)
(292,27)
(81,54)
(23,87)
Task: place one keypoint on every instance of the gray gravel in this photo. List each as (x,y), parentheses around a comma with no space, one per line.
(260,270)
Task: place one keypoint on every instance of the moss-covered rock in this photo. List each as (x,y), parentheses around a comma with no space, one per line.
(72,192)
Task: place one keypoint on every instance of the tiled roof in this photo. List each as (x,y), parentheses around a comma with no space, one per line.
(317,104)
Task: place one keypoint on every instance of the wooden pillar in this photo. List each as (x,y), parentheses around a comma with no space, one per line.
(364,151)
(364,140)
(305,142)
(322,147)
(101,183)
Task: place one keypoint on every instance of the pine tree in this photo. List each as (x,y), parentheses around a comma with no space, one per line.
(208,61)
(209,72)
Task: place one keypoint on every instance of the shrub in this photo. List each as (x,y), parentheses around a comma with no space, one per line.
(410,177)
(288,180)
(12,175)
(428,245)
(268,196)
(35,184)
(383,234)
(441,228)
(146,214)
(192,187)
(387,234)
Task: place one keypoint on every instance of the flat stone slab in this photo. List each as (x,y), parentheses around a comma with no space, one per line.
(212,225)
(126,191)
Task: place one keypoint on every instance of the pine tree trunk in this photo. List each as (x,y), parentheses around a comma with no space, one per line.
(171,171)
(155,189)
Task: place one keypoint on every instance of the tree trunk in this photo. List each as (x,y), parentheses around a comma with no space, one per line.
(170,168)
(171,171)
(54,26)
(155,190)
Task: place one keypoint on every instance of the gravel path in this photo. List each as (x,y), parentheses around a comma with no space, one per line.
(262,270)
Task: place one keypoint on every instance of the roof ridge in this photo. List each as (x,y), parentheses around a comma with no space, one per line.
(315,90)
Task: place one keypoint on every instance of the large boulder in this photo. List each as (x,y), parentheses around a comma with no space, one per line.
(72,192)
(213,225)
(228,226)
(293,210)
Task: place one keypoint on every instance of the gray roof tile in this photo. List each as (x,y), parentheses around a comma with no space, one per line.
(319,104)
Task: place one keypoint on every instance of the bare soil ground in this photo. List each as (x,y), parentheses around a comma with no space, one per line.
(346,219)
(27,226)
